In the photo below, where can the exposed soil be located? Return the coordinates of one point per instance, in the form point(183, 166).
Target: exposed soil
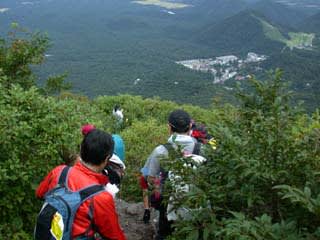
point(130, 217)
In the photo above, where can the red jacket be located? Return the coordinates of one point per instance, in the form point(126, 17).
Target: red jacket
point(105, 216)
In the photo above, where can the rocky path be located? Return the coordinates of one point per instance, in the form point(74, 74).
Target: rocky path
point(130, 215)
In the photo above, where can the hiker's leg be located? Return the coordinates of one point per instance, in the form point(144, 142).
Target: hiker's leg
point(145, 195)
point(145, 199)
point(164, 224)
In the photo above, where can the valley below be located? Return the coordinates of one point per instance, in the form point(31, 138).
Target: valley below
point(158, 48)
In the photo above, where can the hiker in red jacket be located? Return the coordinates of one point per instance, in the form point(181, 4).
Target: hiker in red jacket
point(96, 150)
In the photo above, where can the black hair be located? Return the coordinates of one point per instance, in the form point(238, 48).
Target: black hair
point(96, 146)
point(116, 108)
point(179, 121)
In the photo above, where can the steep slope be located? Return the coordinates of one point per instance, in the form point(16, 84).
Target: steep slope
point(105, 46)
point(301, 69)
point(211, 10)
point(279, 13)
point(309, 7)
point(239, 34)
point(116, 47)
point(311, 24)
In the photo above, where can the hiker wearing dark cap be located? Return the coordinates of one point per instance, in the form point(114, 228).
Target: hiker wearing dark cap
point(115, 168)
point(179, 125)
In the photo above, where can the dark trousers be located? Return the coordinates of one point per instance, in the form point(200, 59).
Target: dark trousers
point(165, 228)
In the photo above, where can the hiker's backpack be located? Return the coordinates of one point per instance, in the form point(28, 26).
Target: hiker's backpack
point(119, 147)
point(180, 188)
point(164, 174)
point(56, 216)
point(201, 134)
point(170, 149)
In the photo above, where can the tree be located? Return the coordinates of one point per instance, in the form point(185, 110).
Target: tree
point(266, 144)
point(18, 53)
point(55, 84)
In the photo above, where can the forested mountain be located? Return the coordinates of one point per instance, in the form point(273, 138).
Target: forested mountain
point(261, 177)
point(239, 34)
point(113, 47)
point(279, 13)
point(311, 24)
point(202, 11)
point(277, 167)
point(301, 71)
point(309, 7)
point(105, 46)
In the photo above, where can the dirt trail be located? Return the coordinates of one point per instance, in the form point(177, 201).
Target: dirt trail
point(130, 217)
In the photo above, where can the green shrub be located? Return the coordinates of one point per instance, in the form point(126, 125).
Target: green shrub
point(34, 133)
point(268, 143)
point(140, 139)
point(262, 182)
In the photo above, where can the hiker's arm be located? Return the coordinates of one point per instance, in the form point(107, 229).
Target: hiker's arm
point(145, 193)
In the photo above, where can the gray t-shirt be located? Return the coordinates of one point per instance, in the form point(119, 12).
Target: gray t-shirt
point(153, 163)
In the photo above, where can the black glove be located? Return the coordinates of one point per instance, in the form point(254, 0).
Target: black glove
point(146, 216)
point(114, 178)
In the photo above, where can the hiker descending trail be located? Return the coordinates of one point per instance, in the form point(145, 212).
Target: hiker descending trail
point(154, 172)
point(81, 188)
point(103, 158)
point(118, 115)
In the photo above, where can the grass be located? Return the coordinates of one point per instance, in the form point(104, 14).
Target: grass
point(272, 32)
point(300, 40)
point(297, 40)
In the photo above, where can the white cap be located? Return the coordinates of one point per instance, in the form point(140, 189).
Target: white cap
point(115, 159)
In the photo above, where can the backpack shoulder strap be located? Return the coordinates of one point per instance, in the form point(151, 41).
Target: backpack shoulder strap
point(90, 191)
point(63, 176)
point(171, 150)
point(196, 149)
point(84, 195)
point(168, 146)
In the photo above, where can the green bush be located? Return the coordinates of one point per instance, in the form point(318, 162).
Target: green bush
point(268, 143)
point(140, 139)
point(34, 131)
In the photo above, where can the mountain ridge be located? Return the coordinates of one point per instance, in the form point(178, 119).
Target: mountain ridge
point(240, 33)
point(279, 13)
point(311, 24)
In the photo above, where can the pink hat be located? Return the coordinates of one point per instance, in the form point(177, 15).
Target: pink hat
point(85, 129)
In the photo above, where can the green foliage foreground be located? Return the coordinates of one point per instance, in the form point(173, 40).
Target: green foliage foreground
point(37, 132)
point(262, 182)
